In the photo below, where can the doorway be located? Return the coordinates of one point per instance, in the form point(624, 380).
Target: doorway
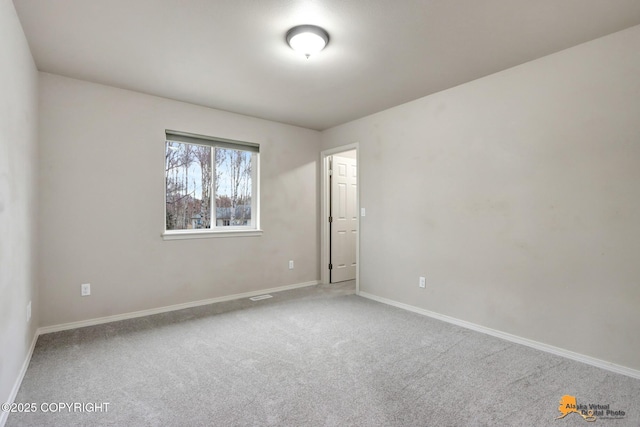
point(340, 215)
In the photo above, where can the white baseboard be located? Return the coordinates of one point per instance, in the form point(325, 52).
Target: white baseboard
point(149, 312)
point(633, 373)
point(16, 386)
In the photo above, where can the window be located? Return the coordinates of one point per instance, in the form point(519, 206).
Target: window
point(211, 186)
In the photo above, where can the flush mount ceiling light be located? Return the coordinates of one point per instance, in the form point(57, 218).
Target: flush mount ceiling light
point(307, 39)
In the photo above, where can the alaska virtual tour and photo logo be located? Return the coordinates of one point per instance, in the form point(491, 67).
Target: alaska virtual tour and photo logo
point(590, 412)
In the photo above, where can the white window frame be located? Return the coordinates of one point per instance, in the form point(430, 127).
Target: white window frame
point(215, 230)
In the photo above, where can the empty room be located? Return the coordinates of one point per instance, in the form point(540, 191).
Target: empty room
point(319, 213)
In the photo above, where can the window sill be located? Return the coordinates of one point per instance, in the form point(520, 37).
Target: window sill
point(189, 234)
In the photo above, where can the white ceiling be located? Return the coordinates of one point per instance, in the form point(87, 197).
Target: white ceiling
point(231, 54)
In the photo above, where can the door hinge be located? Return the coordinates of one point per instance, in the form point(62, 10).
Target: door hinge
point(330, 266)
point(330, 172)
point(330, 219)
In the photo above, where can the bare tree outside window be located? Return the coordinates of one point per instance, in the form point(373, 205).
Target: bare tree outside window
point(187, 184)
point(208, 187)
point(233, 187)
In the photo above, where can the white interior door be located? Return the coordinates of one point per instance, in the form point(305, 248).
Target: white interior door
point(344, 219)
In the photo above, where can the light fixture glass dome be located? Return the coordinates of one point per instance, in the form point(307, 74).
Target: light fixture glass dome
point(307, 39)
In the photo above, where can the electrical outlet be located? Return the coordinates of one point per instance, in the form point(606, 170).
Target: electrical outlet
point(85, 289)
point(290, 264)
point(423, 282)
point(28, 311)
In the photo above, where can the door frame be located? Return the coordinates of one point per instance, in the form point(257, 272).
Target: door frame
point(324, 210)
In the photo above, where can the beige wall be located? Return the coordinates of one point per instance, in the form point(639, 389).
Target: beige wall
point(18, 208)
point(102, 195)
point(517, 196)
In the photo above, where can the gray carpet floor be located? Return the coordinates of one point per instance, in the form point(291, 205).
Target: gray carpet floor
point(317, 356)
